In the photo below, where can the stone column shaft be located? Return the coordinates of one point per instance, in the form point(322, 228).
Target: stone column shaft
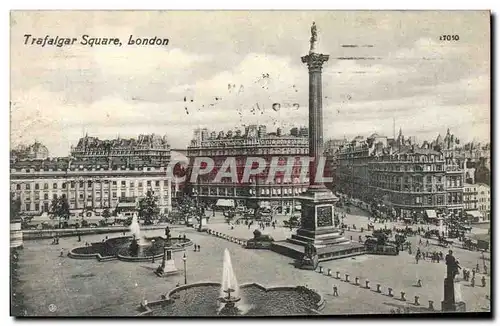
point(314, 63)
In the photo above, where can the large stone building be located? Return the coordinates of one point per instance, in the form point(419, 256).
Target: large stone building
point(100, 174)
point(484, 200)
point(88, 184)
point(153, 149)
point(407, 179)
point(35, 151)
point(255, 141)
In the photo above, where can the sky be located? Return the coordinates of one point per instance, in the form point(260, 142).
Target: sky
point(223, 70)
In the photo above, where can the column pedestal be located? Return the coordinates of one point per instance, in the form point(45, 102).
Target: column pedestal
point(317, 227)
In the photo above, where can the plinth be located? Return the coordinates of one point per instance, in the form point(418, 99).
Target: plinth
point(167, 265)
point(317, 227)
point(449, 304)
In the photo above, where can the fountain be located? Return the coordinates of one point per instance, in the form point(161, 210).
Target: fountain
point(228, 298)
point(136, 248)
point(229, 285)
point(138, 242)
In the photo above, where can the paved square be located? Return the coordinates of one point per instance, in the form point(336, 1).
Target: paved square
point(73, 287)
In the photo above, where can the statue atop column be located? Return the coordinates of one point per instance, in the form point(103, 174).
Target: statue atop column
point(314, 38)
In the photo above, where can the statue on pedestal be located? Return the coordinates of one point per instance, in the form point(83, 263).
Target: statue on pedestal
point(314, 38)
point(452, 266)
point(310, 258)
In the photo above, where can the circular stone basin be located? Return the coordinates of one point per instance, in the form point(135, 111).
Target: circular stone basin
point(119, 247)
point(256, 300)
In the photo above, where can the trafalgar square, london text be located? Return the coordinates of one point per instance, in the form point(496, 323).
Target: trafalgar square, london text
point(87, 40)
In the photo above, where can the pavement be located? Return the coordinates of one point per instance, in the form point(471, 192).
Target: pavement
point(61, 286)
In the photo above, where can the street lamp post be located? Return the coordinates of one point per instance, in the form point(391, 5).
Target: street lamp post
point(164, 258)
point(153, 248)
point(184, 258)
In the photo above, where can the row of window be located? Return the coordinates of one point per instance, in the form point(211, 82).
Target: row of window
point(81, 196)
point(82, 168)
point(407, 167)
point(81, 184)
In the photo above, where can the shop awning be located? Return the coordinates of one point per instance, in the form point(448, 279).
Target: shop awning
point(126, 205)
point(431, 213)
point(225, 203)
point(475, 214)
point(265, 204)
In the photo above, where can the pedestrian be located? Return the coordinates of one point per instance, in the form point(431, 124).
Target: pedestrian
point(472, 281)
point(483, 281)
point(473, 273)
point(62, 252)
point(477, 267)
point(199, 248)
point(335, 291)
point(427, 243)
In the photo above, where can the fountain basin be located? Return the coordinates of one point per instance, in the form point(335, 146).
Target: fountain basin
point(117, 248)
point(201, 299)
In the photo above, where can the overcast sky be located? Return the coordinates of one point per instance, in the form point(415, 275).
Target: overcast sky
point(424, 84)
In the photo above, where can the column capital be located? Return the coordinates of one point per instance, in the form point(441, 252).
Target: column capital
point(315, 61)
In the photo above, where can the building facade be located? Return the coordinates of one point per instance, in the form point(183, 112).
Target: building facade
point(407, 180)
point(35, 151)
point(484, 200)
point(153, 149)
point(255, 141)
point(470, 197)
point(88, 184)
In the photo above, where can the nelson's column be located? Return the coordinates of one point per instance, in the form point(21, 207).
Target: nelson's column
point(317, 228)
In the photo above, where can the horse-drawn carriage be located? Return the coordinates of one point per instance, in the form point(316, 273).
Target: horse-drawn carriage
point(443, 242)
point(432, 233)
point(470, 244)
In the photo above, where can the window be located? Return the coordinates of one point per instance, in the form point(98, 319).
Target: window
point(157, 183)
point(37, 186)
point(140, 184)
point(114, 183)
point(37, 207)
point(28, 186)
point(89, 184)
point(45, 186)
point(54, 196)
point(45, 196)
point(81, 184)
point(123, 194)
point(28, 207)
point(64, 185)
point(148, 183)
point(132, 184)
point(18, 186)
point(114, 194)
point(45, 207)
point(54, 186)
point(80, 196)
point(123, 183)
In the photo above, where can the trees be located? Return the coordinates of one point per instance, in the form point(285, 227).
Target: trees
point(190, 208)
point(106, 214)
point(148, 207)
point(15, 206)
point(59, 207)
